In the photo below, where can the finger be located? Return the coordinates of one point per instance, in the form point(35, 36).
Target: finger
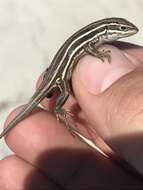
point(18, 174)
point(129, 51)
point(116, 113)
point(134, 51)
point(44, 142)
point(79, 121)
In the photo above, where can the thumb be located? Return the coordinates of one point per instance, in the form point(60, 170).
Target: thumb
point(110, 95)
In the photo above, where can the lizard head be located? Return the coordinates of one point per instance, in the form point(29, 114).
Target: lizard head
point(117, 28)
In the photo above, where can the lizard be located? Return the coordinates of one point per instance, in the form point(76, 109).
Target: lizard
point(87, 40)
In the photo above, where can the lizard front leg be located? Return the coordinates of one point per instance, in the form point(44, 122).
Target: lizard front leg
point(92, 49)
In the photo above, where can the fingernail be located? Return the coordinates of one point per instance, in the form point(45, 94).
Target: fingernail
point(97, 76)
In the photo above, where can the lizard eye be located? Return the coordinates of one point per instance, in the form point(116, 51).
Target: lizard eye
point(123, 28)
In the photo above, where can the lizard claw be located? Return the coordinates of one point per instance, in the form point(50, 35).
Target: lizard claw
point(66, 117)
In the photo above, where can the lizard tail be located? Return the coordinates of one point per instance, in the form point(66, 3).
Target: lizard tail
point(38, 96)
point(27, 109)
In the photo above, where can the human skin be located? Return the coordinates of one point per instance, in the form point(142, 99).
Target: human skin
point(108, 98)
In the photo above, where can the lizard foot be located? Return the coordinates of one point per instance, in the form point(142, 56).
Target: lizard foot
point(65, 116)
point(103, 54)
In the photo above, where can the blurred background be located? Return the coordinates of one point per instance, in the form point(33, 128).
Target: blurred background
point(32, 31)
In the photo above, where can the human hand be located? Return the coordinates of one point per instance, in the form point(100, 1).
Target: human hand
point(48, 157)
